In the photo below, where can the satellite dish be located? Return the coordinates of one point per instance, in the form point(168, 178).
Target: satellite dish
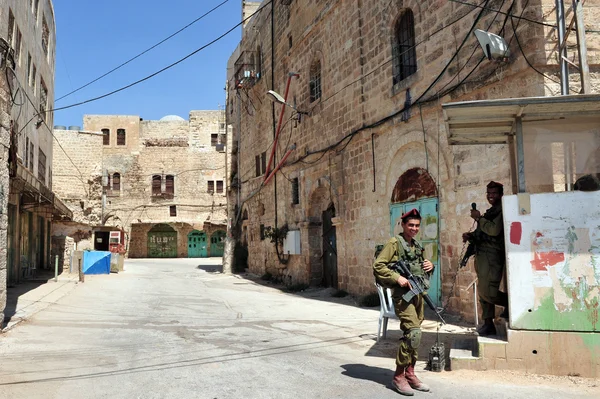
point(494, 46)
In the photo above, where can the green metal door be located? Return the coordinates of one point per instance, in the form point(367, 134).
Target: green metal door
point(197, 244)
point(162, 242)
point(217, 243)
point(428, 237)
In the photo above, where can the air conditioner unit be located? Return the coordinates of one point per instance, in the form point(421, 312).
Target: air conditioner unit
point(291, 243)
point(220, 147)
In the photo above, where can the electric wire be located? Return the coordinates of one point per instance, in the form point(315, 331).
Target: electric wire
point(142, 53)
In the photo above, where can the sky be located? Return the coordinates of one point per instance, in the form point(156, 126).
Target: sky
point(93, 37)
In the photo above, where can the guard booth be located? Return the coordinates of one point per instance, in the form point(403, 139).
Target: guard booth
point(551, 229)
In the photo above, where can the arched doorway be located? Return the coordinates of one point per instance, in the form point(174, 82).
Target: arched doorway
point(330, 272)
point(217, 243)
point(162, 241)
point(417, 189)
point(197, 244)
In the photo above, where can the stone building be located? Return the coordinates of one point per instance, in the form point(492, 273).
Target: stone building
point(370, 140)
point(147, 188)
point(27, 203)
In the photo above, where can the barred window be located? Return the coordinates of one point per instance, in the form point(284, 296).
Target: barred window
point(173, 210)
point(45, 36)
point(264, 162)
point(214, 139)
point(116, 183)
point(315, 81)
point(295, 191)
point(219, 186)
point(170, 185)
point(211, 186)
point(403, 50)
point(105, 136)
point(41, 166)
point(43, 99)
point(11, 27)
point(121, 136)
point(156, 183)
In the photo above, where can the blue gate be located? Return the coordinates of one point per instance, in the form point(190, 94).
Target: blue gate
point(428, 237)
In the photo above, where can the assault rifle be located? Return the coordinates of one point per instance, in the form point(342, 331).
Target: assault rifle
point(416, 287)
point(470, 248)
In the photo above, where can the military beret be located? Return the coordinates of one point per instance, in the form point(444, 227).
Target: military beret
point(494, 184)
point(413, 213)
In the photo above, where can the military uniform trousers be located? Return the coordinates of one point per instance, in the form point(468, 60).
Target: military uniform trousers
point(411, 315)
point(489, 264)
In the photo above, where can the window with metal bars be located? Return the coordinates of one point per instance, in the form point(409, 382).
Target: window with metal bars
point(214, 139)
point(173, 210)
point(404, 53)
point(219, 186)
point(257, 161)
point(315, 81)
point(45, 36)
point(41, 166)
point(27, 152)
point(263, 159)
point(170, 186)
point(156, 183)
point(11, 27)
point(116, 183)
point(295, 191)
point(43, 99)
point(105, 136)
point(121, 136)
point(31, 155)
point(211, 186)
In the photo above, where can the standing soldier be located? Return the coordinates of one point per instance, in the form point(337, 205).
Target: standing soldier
point(411, 313)
point(490, 257)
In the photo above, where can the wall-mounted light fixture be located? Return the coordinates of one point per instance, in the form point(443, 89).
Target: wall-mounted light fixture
point(494, 46)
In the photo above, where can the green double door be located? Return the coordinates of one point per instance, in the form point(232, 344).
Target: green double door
point(162, 242)
point(197, 246)
point(217, 243)
point(428, 237)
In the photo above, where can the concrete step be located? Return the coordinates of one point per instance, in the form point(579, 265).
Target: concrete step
point(471, 352)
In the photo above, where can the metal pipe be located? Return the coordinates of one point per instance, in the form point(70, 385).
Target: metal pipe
point(56, 268)
point(287, 154)
point(278, 130)
point(562, 48)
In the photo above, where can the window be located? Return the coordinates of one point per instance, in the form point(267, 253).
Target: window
point(170, 186)
point(173, 210)
point(105, 136)
point(211, 186)
point(27, 152)
point(121, 136)
point(36, 7)
point(214, 139)
point(18, 38)
point(404, 54)
point(45, 36)
point(11, 27)
point(261, 164)
point(43, 99)
point(156, 183)
point(258, 63)
point(257, 161)
point(221, 126)
point(34, 78)
point(41, 166)
point(263, 159)
point(116, 182)
point(222, 138)
point(29, 65)
point(315, 81)
point(219, 186)
point(295, 191)
point(31, 155)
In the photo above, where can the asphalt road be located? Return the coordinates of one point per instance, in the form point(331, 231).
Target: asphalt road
point(178, 329)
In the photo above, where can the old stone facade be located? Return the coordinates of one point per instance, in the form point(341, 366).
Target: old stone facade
point(370, 78)
point(27, 203)
point(162, 183)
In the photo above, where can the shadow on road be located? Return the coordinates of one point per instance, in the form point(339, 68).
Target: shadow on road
point(363, 372)
point(211, 268)
point(14, 293)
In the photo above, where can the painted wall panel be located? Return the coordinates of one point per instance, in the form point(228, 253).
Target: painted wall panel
point(553, 261)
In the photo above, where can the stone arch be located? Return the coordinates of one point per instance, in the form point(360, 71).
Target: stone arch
point(414, 184)
point(320, 199)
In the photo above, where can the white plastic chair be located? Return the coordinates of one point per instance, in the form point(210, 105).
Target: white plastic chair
point(386, 310)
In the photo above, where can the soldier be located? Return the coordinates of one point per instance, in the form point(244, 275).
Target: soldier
point(490, 258)
point(411, 314)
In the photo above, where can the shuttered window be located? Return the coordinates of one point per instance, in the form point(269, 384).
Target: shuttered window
point(156, 182)
point(170, 185)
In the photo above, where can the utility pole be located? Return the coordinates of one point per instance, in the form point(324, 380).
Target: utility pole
point(562, 48)
point(584, 68)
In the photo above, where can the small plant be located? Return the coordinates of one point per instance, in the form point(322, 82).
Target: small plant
point(298, 287)
point(276, 235)
point(370, 300)
point(267, 277)
point(339, 294)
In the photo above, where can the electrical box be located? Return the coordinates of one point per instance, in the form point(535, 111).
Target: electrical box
point(291, 243)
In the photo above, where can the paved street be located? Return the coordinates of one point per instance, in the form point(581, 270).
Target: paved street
point(179, 329)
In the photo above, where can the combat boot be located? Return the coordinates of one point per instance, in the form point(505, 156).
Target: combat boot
point(400, 383)
point(413, 381)
point(488, 328)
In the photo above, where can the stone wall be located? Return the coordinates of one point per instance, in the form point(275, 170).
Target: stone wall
point(356, 142)
point(170, 147)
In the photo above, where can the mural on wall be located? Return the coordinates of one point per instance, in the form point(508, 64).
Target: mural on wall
point(553, 261)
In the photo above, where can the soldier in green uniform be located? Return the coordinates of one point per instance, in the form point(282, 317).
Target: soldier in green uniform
point(411, 314)
point(490, 258)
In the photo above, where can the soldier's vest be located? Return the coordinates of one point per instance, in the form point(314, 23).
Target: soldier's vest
point(484, 242)
point(414, 257)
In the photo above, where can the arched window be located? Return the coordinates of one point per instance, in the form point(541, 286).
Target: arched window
point(156, 182)
point(315, 81)
point(105, 136)
point(116, 182)
point(403, 49)
point(121, 136)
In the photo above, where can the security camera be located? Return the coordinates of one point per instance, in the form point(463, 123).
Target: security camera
point(494, 46)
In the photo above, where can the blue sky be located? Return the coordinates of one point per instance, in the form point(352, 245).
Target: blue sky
point(94, 37)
